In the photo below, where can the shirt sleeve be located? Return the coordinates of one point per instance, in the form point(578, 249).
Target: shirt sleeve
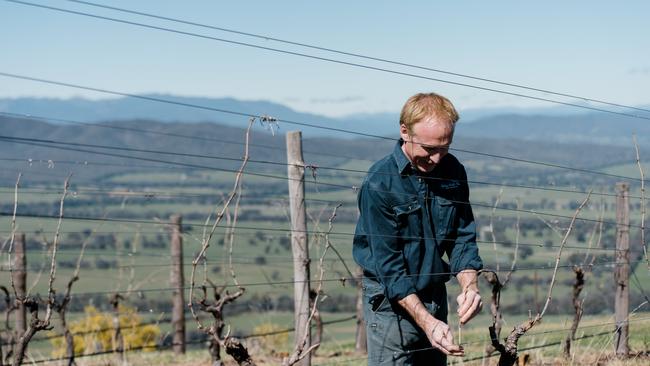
point(380, 227)
point(464, 253)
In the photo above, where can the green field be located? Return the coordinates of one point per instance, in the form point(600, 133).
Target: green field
point(133, 254)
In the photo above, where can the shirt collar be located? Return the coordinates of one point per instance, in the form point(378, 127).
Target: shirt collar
point(403, 163)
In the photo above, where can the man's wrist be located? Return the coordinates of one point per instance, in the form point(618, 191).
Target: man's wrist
point(414, 306)
point(468, 280)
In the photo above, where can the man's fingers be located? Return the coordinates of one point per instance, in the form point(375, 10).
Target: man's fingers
point(465, 302)
point(437, 342)
point(443, 339)
point(441, 348)
point(452, 349)
point(462, 303)
point(474, 308)
point(449, 348)
point(477, 305)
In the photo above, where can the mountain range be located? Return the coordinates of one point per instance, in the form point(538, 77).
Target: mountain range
point(560, 124)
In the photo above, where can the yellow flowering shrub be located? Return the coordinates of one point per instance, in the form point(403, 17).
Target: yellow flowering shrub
point(271, 342)
point(94, 332)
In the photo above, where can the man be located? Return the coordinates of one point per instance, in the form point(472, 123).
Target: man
point(414, 208)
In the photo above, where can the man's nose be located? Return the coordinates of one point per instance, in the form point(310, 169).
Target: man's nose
point(436, 157)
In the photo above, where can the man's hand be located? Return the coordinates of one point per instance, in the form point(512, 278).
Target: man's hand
point(469, 301)
point(469, 304)
point(437, 331)
point(441, 338)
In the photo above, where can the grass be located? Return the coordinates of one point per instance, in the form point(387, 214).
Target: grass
point(338, 343)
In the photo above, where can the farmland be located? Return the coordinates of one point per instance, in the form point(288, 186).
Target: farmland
point(121, 212)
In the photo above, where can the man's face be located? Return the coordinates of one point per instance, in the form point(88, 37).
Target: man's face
point(428, 142)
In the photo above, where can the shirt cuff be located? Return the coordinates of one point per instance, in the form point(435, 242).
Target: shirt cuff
point(475, 264)
point(399, 289)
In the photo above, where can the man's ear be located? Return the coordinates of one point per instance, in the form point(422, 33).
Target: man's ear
point(404, 132)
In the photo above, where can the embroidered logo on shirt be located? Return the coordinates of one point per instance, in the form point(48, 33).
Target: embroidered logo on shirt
point(450, 185)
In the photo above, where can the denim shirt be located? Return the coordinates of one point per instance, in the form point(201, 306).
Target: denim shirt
point(409, 220)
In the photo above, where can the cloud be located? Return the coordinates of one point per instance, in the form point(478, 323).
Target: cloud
point(341, 100)
point(639, 71)
point(293, 100)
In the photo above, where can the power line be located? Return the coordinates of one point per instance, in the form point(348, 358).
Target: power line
point(284, 164)
point(190, 105)
point(353, 188)
point(130, 349)
point(196, 166)
point(325, 154)
point(544, 345)
point(384, 60)
point(84, 163)
point(100, 330)
point(166, 346)
point(62, 251)
point(494, 354)
point(313, 232)
point(160, 152)
point(637, 283)
point(168, 320)
point(165, 265)
point(550, 165)
point(22, 141)
point(368, 67)
point(474, 358)
point(150, 194)
point(552, 331)
point(252, 261)
point(343, 280)
point(288, 330)
point(111, 253)
point(190, 137)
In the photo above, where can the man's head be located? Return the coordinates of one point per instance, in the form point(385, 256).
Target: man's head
point(427, 126)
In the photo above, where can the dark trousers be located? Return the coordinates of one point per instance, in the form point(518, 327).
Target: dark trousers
point(393, 337)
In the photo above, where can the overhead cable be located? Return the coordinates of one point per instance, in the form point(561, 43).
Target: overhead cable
point(369, 67)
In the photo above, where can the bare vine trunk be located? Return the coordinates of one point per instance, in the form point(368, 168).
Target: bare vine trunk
point(237, 351)
point(34, 326)
point(577, 305)
point(493, 280)
point(215, 352)
point(69, 340)
point(118, 339)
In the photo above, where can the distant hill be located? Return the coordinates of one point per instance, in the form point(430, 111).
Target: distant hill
point(558, 124)
point(210, 139)
point(129, 109)
point(587, 128)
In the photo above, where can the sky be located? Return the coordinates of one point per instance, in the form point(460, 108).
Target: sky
point(594, 49)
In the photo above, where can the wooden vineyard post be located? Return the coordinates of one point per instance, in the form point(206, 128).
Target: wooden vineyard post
point(361, 342)
point(622, 274)
point(296, 175)
point(177, 282)
point(20, 281)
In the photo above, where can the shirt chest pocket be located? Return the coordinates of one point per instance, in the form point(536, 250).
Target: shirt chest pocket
point(408, 217)
point(445, 216)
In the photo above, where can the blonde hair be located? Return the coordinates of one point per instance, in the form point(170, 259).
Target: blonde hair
point(424, 105)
